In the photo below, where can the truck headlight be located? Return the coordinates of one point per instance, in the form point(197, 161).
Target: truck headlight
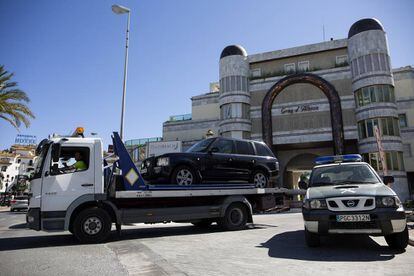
point(388, 201)
point(163, 161)
point(315, 204)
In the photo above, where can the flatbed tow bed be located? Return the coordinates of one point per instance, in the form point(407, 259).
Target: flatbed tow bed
point(119, 195)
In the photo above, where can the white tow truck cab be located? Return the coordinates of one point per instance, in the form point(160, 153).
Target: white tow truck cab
point(74, 189)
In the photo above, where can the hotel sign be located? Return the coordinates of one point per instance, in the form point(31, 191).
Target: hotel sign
point(25, 139)
point(299, 108)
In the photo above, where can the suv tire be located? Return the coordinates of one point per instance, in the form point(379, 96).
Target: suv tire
point(184, 176)
point(92, 225)
point(235, 217)
point(398, 240)
point(312, 239)
point(260, 179)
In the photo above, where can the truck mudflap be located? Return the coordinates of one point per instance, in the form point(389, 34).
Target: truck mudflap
point(33, 219)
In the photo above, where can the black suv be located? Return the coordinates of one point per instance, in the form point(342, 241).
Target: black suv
point(214, 159)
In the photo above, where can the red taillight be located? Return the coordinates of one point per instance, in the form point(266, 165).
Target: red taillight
point(13, 201)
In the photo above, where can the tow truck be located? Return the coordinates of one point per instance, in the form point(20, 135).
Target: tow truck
point(88, 202)
point(347, 196)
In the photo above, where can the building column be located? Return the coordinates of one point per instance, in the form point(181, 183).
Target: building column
point(373, 87)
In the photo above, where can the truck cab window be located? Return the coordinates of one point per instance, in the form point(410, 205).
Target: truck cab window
point(71, 160)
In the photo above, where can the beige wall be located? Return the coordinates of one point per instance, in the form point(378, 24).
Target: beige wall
point(303, 92)
point(206, 112)
point(317, 61)
point(404, 93)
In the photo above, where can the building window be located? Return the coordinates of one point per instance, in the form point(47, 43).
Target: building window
point(303, 66)
point(342, 60)
point(235, 110)
point(290, 68)
point(407, 150)
point(388, 126)
point(403, 120)
point(373, 94)
point(256, 73)
point(393, 159)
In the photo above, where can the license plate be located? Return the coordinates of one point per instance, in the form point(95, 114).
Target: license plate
point(144, 170)
point(352, 218)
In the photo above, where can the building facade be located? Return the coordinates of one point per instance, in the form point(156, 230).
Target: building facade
point(16, 164)
point(312, 100)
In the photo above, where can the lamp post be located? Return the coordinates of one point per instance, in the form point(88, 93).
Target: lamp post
point(121, 10)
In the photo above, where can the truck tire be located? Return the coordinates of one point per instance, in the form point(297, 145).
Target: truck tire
point(312, 239)
point(92, 225)
point(235, 217)
point(398, 240)
point(184, 176)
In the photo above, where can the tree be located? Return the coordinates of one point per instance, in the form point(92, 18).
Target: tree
point(13, 101)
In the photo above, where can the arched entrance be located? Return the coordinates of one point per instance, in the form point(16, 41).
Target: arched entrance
point(297, 166)
point(329, 91)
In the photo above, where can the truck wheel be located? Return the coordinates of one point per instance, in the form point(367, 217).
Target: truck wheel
point(260, 179)
point(202, 223)
point(235, 217)
point(398, 240)
point(312, 239)
point(184, 176)
point(92, 225)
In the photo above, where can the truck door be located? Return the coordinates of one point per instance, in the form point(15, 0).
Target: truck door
point(69, 178)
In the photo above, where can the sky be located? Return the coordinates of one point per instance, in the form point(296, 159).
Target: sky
point(68, 56)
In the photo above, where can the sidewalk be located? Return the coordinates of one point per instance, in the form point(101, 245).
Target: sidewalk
point(4, 209)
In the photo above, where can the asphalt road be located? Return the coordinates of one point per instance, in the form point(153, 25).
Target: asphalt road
point(275, 246)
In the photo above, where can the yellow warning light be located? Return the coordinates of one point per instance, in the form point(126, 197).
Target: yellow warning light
point(79, 130)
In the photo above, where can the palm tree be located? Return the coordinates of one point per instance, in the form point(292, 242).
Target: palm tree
point(13, 101)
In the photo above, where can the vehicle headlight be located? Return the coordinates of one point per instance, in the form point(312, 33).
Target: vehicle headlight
point(388, 201)
point(315, 204)
point(163, 161)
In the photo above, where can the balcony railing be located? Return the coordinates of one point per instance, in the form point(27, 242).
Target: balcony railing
point(184, 117)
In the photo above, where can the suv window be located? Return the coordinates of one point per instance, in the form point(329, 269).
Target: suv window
point(223, 146)
point(245, 148)
point(263, 150)
point(342, 174)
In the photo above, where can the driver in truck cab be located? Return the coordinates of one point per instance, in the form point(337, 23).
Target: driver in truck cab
point(79, 165)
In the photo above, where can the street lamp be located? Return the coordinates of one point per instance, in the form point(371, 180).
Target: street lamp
point(121, 10)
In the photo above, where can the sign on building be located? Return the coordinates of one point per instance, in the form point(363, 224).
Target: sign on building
point(22, 139)
point(159, 148)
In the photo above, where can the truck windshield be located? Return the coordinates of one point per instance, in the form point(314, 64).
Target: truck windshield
point(341, 174)
point(40, 160)
point(201, 146)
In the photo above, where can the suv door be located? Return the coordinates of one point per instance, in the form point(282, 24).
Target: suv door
point(244, 159)
point(219, 160)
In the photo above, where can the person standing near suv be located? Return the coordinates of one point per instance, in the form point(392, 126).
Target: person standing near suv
point(213, 160)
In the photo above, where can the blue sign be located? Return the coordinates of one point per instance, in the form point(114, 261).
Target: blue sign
point(25, 139)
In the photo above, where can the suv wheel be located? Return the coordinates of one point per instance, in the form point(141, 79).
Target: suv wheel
point(184, 176)
point(260, 179)
point(398, 240)
point(312, 239)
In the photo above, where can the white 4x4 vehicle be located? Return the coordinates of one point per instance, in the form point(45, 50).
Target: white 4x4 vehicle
point(347, 196)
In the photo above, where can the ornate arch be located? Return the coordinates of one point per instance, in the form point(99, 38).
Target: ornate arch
point(327, 88)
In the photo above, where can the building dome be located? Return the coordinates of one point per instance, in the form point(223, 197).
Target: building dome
point(366, 24)
point(233, 50)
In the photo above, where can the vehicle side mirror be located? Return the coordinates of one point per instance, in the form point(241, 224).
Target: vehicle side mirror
point(303, 185)
point(55, 169)
point(55, 152)
point(213, 150)
point(388, 179)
